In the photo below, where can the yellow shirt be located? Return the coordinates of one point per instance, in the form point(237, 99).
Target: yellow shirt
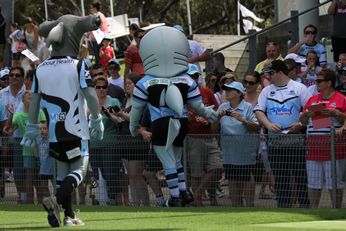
point(260, 65)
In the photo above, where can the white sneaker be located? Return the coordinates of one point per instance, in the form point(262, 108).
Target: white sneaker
point(68, 221)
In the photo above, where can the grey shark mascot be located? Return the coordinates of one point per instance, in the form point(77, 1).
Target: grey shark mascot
point(61, 86)
point(167, 91)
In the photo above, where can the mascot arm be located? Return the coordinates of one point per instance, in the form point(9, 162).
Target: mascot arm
point(206, 112)
point(95, 123)
point(135, 116)
point(31, 137)
point(45, 27)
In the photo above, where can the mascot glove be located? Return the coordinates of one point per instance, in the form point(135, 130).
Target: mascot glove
point(210, 114)
point(31, 136)
point(96, 127)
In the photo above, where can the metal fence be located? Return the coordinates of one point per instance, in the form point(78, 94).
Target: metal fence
point(239, 171)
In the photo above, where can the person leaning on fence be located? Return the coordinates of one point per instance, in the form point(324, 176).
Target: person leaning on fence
point(278, 109)
point(239, 144)
point(3, 118)
point(318, 158)
point(203, 152)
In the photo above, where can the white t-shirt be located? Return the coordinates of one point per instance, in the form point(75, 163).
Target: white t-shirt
point(118, 81)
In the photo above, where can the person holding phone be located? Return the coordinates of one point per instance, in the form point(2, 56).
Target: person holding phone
point(105, 158)
point(239, 142)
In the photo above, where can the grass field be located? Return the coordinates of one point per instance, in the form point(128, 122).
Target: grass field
point(32, 217)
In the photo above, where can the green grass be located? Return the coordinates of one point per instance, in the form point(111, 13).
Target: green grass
point(30, 217)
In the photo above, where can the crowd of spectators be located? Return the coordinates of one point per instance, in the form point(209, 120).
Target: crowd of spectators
point(269, 126)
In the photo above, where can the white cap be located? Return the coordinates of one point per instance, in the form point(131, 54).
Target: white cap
point(296, 58)
point(4, 72)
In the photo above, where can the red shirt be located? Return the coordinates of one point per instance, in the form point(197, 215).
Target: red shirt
point(318, 140)
point(108, 54)
point(197, 124)
point(134, 60)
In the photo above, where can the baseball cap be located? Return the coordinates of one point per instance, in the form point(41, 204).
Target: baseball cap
point(4, 72)
point(107, 37)
point(295, 57)
point(234, 85)
point(276, 65)
point(114, 61)
point(179, 28)
point(193, 69)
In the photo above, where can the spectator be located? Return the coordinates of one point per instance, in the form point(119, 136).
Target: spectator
point(29, 78)
point(12, 98)
point(132, 30)
point(226, 79)
point(219, 67)
point(309, 43)
point(133, 149)
point(210, 81)
point(340, 64)
point(293, 68)
point(272, 53)
point(2, 38)
point(46, 164)
point(318, 162)
point(300, 61)
point(95, 10)
point(342, 86)
point(31, 36)
point(113, 73)
point(197, 53)
point(106, 51)
point(114, 91)
point(337, 10)
point(278, 108)
point(251, 81)
point(238, 144)
point(4, 78)
point(3, 159)
point(14, 38)
point(30, 155)
point(105, 158)
point(133, 62)
point(204, 156)
point(309, 72)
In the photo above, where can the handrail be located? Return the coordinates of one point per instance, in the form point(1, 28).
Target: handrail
point(270, 27)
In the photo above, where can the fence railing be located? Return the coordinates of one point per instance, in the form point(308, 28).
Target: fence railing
point(238, 171)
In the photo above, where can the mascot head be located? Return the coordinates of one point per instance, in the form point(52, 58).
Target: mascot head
point(65, 33)
point(164, 52)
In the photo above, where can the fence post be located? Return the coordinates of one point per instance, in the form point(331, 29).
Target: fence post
point(252, 51)
point(184, 159)
point(294, 28)
point(208, 63)
point(333, 167)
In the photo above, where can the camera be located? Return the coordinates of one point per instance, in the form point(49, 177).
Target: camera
point(228, 112)
point(114, 109)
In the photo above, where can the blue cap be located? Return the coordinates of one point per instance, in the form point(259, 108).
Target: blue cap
point(179, 28)
point(193, 69)
point(234, 85)
point(107, 37)
point(114, 61)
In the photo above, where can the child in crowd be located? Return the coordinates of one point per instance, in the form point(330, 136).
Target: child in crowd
point(309, 72)
point(46, 164)
point(106, 51)
point(30, 156)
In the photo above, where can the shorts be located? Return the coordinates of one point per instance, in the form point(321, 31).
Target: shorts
point(238, 172)
point(31, 162)
point(320, 173)
point(203, 155)
point(159, 129)
point(18, 163)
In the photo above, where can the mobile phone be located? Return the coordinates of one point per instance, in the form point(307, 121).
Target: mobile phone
point(114, 109)
point(228, 112)
point(105, 112)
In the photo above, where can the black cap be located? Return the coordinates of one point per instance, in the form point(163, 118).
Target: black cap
point(276, 65)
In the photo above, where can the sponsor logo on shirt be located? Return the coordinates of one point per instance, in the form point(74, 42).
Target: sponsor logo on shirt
point(280, 111)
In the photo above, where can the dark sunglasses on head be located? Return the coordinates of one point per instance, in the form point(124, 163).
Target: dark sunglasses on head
point(321, 80)
point(101, 87)
point(251, 83)
point(15, 75)
point(310, 32)
point(96, 74)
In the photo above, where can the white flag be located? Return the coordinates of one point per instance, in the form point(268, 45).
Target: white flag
point(248, 25)
point(245, 12)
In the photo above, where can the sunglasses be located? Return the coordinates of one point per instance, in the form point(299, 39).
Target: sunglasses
point(96, 74)
point(310, 32)
point(101, 87)
point(321, 80)
point(251, 83)
point(16, 75)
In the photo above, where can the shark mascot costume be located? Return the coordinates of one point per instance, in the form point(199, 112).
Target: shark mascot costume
point(63, 83)
point(167, 90)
